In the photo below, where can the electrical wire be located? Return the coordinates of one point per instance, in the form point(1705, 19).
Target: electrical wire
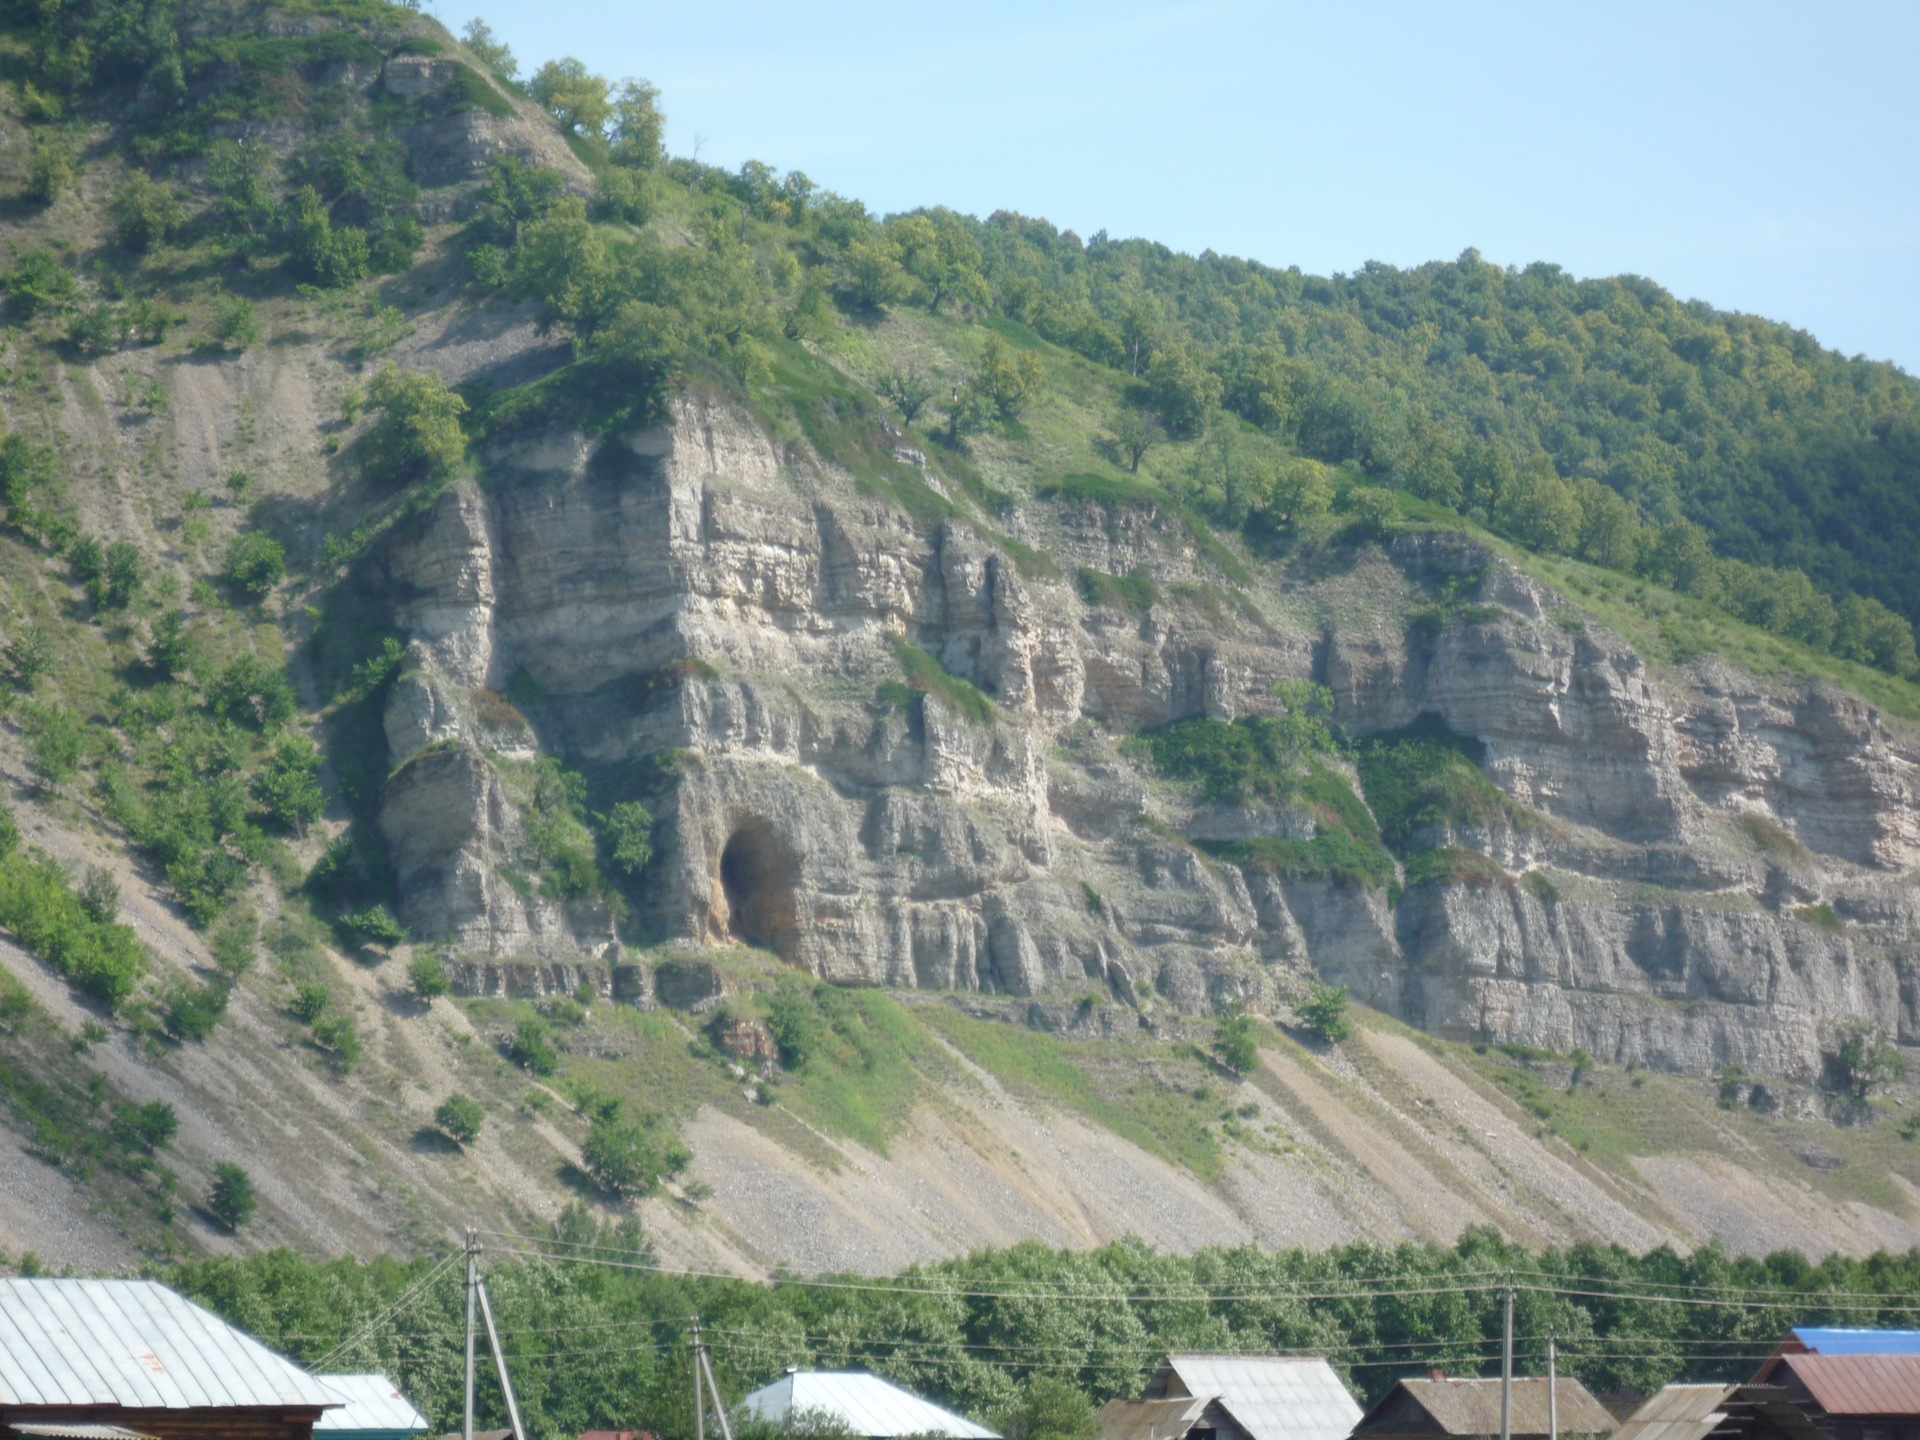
point(406, 1297)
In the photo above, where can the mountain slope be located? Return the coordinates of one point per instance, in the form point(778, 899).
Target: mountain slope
point(452, 546)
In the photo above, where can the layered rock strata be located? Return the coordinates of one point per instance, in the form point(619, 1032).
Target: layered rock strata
point(1719, 875)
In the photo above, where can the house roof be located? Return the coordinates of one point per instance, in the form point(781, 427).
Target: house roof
point(1151, 1419)
point(372, 1402)
point(136, 1344)
point(1817, 1341)
point(868, 1405)
point(1855, 1384)
point(1678, 1412)
point(1472, 1407)
point(1273, 1397)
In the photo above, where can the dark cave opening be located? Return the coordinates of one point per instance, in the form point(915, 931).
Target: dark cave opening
point(757, 875)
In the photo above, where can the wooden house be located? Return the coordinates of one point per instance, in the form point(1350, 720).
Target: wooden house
point(1235, 1397)
point(1442, 1408)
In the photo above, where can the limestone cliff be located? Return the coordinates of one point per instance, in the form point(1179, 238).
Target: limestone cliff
point(1717, 871)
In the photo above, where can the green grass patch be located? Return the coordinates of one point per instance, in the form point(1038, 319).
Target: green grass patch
point(1134, 592)
point(1101, 1081)
point(1453, 866)
point(1426, 775)
point(927, 676)
point(855, 1061)
point(1116, 492)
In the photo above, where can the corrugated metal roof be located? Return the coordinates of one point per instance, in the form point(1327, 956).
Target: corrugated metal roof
point(1472, 1407)
point(1678, 1412)
point(1858, 1342)
point(372, 1402)
point(1151, 1419)
point(867, 1404)
point(53, 1430)
point(1857, 1384)
point(1273, 1397)
point(137, 1344)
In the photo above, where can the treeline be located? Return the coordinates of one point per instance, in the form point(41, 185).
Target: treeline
point(596, 1345)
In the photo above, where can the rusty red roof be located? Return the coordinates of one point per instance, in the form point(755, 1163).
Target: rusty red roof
point(1857, 1384)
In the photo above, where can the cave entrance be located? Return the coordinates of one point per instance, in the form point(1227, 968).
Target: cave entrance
point(757, 875)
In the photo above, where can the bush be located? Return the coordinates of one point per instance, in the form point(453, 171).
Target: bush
point(100, 895)
point(28, 655)
point(1049, 1408)
point(252, 692)
point(51, 173)
point(1236, 1042)
point(232, 1201)
point(146, 1128)
point(233, 943)
point(145, 212)
point(1324, 1012)
point(630, 1157)
point(39, 906)
point(427, 974)
point(256, 562)
point(340, 1038)
point(626, 833)
point(533, 1048)
point(311, 1000)
point(288, 786)
point(459, 1118)
point(193, 1011)
point(374, 925)
point(236, 322)
point(418, 435)
point(1867, 1061)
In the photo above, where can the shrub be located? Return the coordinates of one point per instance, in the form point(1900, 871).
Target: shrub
point(1430, 776)
point(374, 925)
point(51, 173)
point(1867, 1060)
point(1049, 1408)
point(256, 562)
point(232, 1201)
point(459, 1118)
point(288, 785)
point(146, 1128)
point(1732, 1077)
point(39, 906)
point(1324, 1012)
point(533, 1048)
point(630, 1157)
point(796, 1024)
point(252, 692)
point(340, 1038)
point(173, 647)
point(1135, 593)
point(418, 435)
point(1236, 1041)
point(236, 322)
point(928, 676)
point(145, 212)
point(40, 284)
point(233, 943)
point(311, 1000)
point(427, 974)
point(626, 833)
point(193, 1011)
point(100, 895)
point(28, 655)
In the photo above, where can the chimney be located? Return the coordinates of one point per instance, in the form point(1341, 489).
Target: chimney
point(1437, 1373)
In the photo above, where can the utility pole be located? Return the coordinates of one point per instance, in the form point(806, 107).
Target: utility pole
point(705, 1386)
point(1506, 1367)
point(500, 1362)
point(473, 1285)
point(699, 1398)
point(1553, 1389)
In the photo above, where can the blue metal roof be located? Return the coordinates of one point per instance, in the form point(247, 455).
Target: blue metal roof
point(1859, 1342)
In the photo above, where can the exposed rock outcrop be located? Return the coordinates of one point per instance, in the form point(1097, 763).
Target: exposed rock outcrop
point(720, 616)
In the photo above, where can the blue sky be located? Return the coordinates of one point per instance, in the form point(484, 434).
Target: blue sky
point(1763, 157)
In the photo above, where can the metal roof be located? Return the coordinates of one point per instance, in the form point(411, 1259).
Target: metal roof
point(372, 1402)
point(1472, 1407)
point(868, 1405)
point(1151, 1419)
point(1856, 1384)
point(1273, 1397)
point(1678, 1412)
point(1858, 1342)
point(137, 1344)
point(55, 1430)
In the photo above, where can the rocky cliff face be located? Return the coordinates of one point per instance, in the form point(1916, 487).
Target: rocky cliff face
point(1719, 872)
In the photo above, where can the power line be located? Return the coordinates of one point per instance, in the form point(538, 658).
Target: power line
point(405, 1297)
